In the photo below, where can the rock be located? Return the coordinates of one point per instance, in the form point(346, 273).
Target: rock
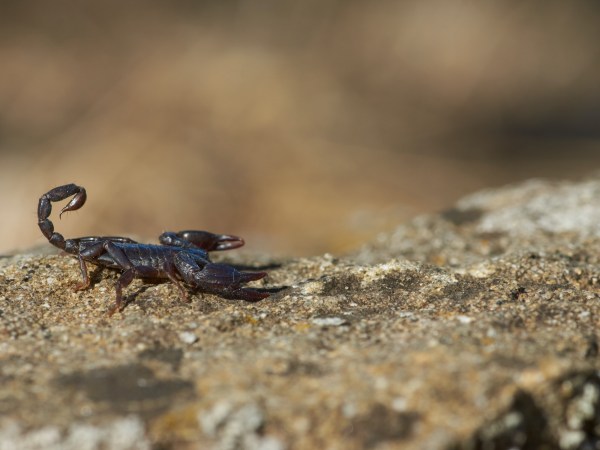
point(188, 337)
point(473, 328)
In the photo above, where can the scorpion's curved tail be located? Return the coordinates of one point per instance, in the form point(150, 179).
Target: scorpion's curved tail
point(45, 208)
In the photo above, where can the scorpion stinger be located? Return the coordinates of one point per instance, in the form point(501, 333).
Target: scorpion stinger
point(45, 208)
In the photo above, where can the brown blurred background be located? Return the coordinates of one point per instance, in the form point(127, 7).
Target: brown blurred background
point(304, 126)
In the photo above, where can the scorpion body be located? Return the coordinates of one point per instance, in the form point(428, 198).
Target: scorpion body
point(182, 256)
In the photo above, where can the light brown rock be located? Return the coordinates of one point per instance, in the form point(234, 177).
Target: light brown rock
point(475, 328)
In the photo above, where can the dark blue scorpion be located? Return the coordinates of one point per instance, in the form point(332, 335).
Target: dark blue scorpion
point(182, 257)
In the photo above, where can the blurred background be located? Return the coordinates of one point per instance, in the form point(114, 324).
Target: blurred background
point(303, 126)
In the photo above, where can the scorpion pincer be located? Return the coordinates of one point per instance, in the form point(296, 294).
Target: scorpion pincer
point(182, 256)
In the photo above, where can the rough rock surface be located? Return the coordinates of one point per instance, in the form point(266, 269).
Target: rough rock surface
point(473, 329)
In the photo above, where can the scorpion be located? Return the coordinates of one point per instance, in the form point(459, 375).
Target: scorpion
point(181, 258)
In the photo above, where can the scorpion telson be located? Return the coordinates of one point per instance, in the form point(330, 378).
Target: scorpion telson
point(182, 256)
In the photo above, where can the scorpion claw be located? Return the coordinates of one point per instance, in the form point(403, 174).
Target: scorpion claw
point(201, 239)
point(210, 241)
point(228, 242)
point(245, 277)
point(227, 282)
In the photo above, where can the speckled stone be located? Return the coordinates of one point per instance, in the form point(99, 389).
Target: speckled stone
point(474, 328)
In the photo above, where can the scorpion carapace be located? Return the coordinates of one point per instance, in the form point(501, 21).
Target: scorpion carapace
point(182, 256)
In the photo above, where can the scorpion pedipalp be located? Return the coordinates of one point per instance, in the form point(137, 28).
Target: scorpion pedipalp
point(228, 282)
point(201, 239)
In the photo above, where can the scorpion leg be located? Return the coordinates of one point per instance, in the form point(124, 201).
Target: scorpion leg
point(130, 272)
point(125, 280)
point(171, 272)
point(84, 274)
point(201, 239)
point(90, 252)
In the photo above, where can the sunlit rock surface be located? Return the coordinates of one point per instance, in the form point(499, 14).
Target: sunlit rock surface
point(474, 328)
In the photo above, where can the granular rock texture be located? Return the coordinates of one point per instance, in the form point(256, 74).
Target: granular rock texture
point(473, 329)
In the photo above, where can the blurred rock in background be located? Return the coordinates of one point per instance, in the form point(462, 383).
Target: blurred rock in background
point(303, 126)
